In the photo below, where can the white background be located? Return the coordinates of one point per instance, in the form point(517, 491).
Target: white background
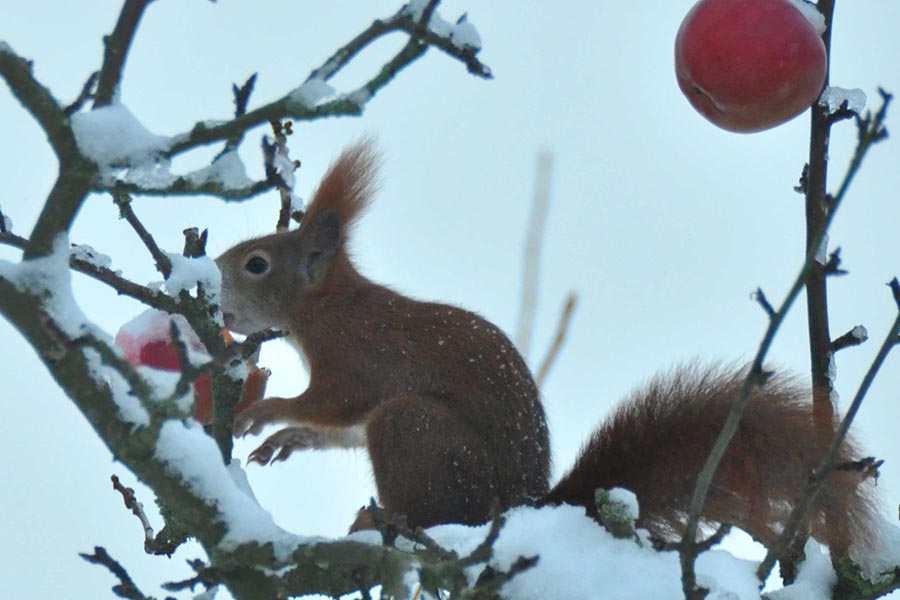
point(661, 222)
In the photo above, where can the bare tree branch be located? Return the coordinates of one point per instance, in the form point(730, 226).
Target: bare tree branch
point(87, 92)
point(38, 101)
point(116, 52)
point(163, 263)
point(562, 329)
point(126, 587)
point(532, 261)
point(871, 131)
point(826, 466)
point(817, 211)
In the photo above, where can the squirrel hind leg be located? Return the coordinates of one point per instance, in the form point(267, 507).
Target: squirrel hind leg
point(429, 465)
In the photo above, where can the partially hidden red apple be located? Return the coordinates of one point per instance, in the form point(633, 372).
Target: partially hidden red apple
point(749, 65)
point(146, 340)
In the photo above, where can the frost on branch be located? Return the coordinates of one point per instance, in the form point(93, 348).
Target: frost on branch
point(834, 98)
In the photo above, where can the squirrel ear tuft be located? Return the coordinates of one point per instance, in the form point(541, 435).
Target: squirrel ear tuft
point(324, 239)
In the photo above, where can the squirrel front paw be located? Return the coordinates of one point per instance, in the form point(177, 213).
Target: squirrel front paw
point(285, 442)
point(265, 412)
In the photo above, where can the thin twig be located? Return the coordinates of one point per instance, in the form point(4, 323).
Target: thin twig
point(163, 263)
point(562, 329)
point(760, 297)
point(136, 508)
point(854, 337)
point(162, 544)
point(702, 546)
point(126, 587)
point(206, 576)
point(871, 129)
point(250, 346)
point(833, 266)
point(484, 550)
point(188, 372)
point(87, 92)
point(280, 170)
point(491, 580)
point(795, 521)
point(116, 51)
point(532, 260)
point(242, 95)
point(194, 242)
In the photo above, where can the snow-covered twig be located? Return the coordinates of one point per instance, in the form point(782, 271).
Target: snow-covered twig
point(280, 170)
point(189, 185)
point(854, 337)
point(295, 105)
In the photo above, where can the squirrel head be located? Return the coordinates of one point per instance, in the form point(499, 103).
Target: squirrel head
point(267, 281)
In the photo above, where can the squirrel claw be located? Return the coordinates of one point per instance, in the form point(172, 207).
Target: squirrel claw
point(262, 455)
point(286, 442)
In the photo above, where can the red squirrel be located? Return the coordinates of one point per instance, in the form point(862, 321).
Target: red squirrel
point(452, 419)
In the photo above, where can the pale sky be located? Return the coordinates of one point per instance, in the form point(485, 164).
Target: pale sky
point(662, 223)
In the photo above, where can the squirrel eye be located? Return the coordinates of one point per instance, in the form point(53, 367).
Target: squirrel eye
point(257, 265)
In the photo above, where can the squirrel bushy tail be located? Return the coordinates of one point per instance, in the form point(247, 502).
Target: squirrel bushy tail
point(657, 441)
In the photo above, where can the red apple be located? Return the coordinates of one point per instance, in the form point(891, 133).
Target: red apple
point(145, 340)
point(749, 65)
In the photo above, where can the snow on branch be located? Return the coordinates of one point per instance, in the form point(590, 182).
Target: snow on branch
point(315, 99)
